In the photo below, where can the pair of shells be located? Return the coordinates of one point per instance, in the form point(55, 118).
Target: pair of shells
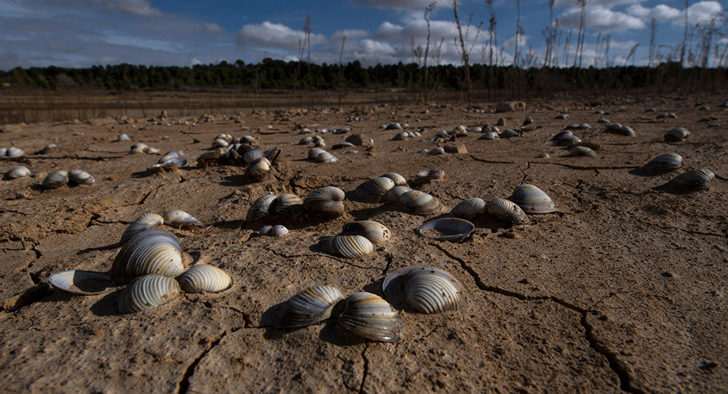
point(357, 239)
point(141, 147)
point(665, 162)
point(17, 172)
point(617, 128)
point(321, 156)
point(374, 189)
point(325, 202)
point(173, 217)
point(318, 141)
point(12, 152)
point(403, 135)
point(364, 314)
point(498, 208)
point(60, 178)
point(287, 204)
point(277, 230)
point(692, 180)
point(677, 134)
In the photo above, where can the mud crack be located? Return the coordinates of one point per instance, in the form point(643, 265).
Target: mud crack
point(491, 161)
point(366, 368)
point(616, 365)
point(184, 384)
point(586, 168)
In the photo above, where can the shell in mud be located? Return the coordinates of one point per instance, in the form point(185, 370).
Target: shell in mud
point(446, 229)
point(204, 278)
point(489, 136)
point(310, 306)
point(507, 211)
point(371, 317)
point(325, 157)
point(393, 194)
point(419, 203)
point(144, 222)
point(14, 152)
point(692, 180)
point(429, 175)
point(286, 204)
point(677, 134)
point(326, 202)
point(665, 162)
point(468, 209)
point(81, 177)
point(259, 169)
point(398, 179)
point(148, 252)
point(424, 289)
point(209, 158)
point(252, 155)
point(581, 151)
point(278, 230)
point(148, 292)
point(375, 232)
point(401, 136)
point(437, 151)
point(171, 164)
point(17, 172)
point(305, 140)
point(373, 189)
point(260, 207)
point(55, 179)
point(179, 218)
point(349, 246)
point(532, 199)
point(169, 155)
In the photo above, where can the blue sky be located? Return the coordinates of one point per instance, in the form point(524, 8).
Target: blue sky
point(81, 33)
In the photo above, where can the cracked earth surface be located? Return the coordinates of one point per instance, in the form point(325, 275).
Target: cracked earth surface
point(624, 289)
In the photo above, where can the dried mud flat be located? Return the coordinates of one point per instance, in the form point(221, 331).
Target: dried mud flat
point(624, 288)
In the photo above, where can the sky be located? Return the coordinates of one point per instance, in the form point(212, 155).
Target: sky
point(82, 33)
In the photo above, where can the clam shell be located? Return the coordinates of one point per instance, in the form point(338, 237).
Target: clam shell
point(398, 179)
point(219, 143)
point(209, 158)
point(204, 278)
point(81, 282)
point(138, 148)
point(305, 140)
point(81, 177)
point(693, 180)
point(349, 246)
point(677, 134)
point(424, 289)
point(144, 222)
point(375, 232)
point(122, 138)
point(430, 174)
point(393, 195)
point(326, 201)
point(325, 157)
point(419, 203)
point(168, 156)
point(252, 155)
point(55, 179)
point(148, 252)
point(373, 189)
point(272, 155)
point(148, 292)
point(258, 169)
point(17, 172)
point(437, 151)
point(170, 164)
point(14, 152)
point(508, 133)
point(401, 136)
point(665, 162)
point(311, 306)
point(468, 209)
point(247, 139)
point(489, 136)
point(507, 211)
point(371, 317)
point(278, 230)
point(286, 204)
point(581, 151)
point(532, 199)
point(561, 135)
point(446, 229)
point(179, 218)
point(569, 141)
point(260, 207)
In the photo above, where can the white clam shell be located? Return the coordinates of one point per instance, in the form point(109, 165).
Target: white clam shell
point(55, 179)
point(424, 289)
point(260, 207)
point(375, 232)
point(371, 317)
point(144, 222)
point(148, 292)
point(17, 172)
point(81, 282)
point(81, 177)
point(122, 138)
point(469, 209)
point(349, 246)
point(259, 169)
point(138, 148)
point(311, 306)
point(581, 151)
point(179, 218)
point(278, 230)
point(204, 278)
point(14, 152)
point(507, 211)
point(446, 229)
point(219, 143)
point(148, 252)
point(532, 199)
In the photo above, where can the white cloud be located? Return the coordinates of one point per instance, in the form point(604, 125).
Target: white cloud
point(700, 13)
point(402, 4)
point(602, 3)
point(511, 42)
point(134, 7)
point(274, 35)
point(598, 17)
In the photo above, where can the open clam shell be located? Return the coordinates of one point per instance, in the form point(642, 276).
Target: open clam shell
point(260, 207)
point(424, 289)
point(375, 232)
point(310, 306)
point(179, 218)
point(371, 317)
point(446, 229)
point(349, 246)
point(17, 172)
point(419, 203)
point(148, 252)
point(326, 202)
point(532, 199)
point(55, 179)
point(81, 177)
point(204, 278)
point(507, 211)
point(148, 292)
point(144, 222)
point(81, 282)
point(170, 155)
point(692, 180)
point(373, 189)
point(665, 162)
point(468, 209)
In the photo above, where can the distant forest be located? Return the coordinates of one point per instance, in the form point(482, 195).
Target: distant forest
point(293, 75)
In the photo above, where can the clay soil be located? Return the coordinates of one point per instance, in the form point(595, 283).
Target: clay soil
point(625, 288)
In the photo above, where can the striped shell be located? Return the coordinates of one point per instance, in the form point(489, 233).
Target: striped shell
point(179, 218)
point(81, 177)
point(55, 179)
point(665, 162)
point(326, 201)
point(311, 306)
point(260, 207)
point(532, 199)
point(468, 209)
point(507, 211)
point(424, 289)
point(144, 222)
point(349, 246)
point(252, 155)
point(371, 317)
point(375, 232)
point(258, 169)
point(204, 278)
point(419, 203)
point(17, 172)
point(286, 204)
point(693, 180)
point(148, 252)
point(396, 178)
point(581, 151)
point(446, 229)
point(373, 189)
point(677, 134)
point(393, 194)
point(148, 292)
